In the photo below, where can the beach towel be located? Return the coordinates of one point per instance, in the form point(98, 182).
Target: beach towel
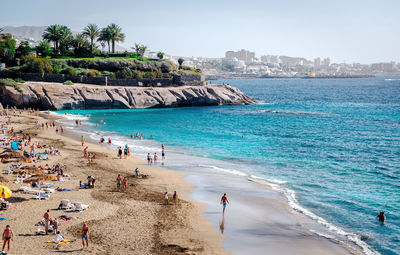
point(3, 218)
point(65, 241)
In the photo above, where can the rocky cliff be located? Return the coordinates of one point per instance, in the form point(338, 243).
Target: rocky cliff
point(83, 96)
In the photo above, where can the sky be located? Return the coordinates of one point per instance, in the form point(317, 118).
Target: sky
point(362, 31)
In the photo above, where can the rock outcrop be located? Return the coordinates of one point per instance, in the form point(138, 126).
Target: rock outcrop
point(54, 96)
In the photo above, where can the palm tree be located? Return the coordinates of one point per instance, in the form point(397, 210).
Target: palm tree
point(66, 39)
point(160, 55)
point(53, 34)
point(44, 48)
point(105, 37)
point(92, 31)
point(115, 35)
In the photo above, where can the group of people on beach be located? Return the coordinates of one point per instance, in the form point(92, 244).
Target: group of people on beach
point(153, 159)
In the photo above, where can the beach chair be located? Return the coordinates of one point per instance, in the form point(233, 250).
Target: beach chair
point(78, 206)
point(47, 190)
point(65, 204)
point(41, 196)
point(29, 190)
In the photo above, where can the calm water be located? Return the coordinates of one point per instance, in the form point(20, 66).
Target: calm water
point(336, 143)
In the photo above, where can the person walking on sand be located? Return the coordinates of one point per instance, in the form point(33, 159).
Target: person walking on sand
point(46, 217)
point(148, 158)
point(8, 235)
point(155, 157)
point(119, 179)
point(120, 152)
point(82, 140)
point(224, 201)
point(124, 183)
point(175, 197)
point(166, 198)
point(85, 236)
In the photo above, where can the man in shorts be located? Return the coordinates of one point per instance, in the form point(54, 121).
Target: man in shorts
point(46, 217)
point(85, 236)
point(224, 201)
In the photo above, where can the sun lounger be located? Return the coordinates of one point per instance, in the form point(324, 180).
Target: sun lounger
point(47, 190)
point(29, 190)
point(78, 206)
point(65, 204)
point(41, 196)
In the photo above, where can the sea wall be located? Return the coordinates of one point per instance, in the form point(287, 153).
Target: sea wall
point(43, 95)
point(176, 80)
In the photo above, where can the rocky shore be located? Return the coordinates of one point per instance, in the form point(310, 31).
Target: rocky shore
point(56, 96)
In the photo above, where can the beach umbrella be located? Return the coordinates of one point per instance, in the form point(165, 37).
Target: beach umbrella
point(5, 192)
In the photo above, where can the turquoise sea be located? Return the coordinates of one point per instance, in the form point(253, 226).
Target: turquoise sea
point(335, 144)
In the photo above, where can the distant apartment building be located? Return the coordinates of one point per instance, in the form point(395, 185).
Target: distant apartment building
point(243, 55)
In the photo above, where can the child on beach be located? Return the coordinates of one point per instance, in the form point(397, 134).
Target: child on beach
point(58, 237)
point(166, 198)
point(8, 235)
point(119, 182)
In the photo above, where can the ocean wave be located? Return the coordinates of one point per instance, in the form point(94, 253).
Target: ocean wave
point(71, 116)
point(231, 171)
point(392, 79)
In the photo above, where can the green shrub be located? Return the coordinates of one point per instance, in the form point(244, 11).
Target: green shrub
point(33, 64)
point(138, 74)
point(11, 83)
point(69, 70)
point(93, 73)
point(125, 73)
point(107, 73)
point(19, 80)
point(68, 82)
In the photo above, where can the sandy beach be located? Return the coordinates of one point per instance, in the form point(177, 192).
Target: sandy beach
point(138, 221)
point(132, 222)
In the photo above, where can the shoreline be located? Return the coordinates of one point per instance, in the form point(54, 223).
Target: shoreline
point(136, 220)
point(298, 224)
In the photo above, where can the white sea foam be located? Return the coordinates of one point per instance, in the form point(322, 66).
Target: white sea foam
point(230, 171)
point(294, 204)
point(71, 116)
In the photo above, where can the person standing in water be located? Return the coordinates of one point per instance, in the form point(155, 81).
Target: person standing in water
point(381, 217)
point(224, 201)
point(162, 151)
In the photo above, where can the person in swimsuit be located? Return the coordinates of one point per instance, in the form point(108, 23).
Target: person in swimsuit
point(119, 182)
point(126, 150)
point(109, 140)
point(124, 183)
point(102, 140)
point(85, 236)
point(381, 217)
point(148, 158)
point(120, 152)
point(137, 172)
point(82, 140)
point(224, 201)
point(8, 235)
point(155, 158)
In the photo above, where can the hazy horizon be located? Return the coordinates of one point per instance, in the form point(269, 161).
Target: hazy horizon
point(357, 31)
